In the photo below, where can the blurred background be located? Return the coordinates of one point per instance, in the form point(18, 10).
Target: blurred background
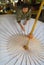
point(9, 7)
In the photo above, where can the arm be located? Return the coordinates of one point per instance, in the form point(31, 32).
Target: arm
point(21, 25)
point(18, 17)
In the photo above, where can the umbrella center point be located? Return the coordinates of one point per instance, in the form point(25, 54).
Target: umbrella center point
point(25, 47)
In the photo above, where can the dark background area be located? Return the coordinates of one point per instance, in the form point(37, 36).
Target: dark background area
point(7, 7)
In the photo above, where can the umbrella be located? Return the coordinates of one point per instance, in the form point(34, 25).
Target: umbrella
point(12, 40)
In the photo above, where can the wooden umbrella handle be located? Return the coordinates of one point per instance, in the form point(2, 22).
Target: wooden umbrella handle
point(34, 25)
point(39, 12)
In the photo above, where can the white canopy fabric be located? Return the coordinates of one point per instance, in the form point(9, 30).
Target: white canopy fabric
point(12, 39)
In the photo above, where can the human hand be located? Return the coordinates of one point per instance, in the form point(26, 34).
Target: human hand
point(25, 22)
point(22, 27)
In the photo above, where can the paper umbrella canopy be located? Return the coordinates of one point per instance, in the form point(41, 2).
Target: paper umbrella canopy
point(12, 40)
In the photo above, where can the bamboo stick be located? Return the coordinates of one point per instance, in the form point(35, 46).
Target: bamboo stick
point(39, 12)
point(34, 25)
